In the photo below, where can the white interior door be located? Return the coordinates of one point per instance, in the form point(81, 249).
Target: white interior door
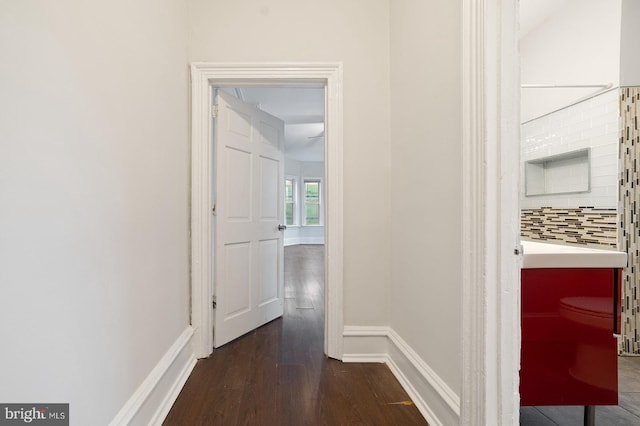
point(249, 197)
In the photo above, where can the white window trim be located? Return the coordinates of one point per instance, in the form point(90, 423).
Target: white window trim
point(296, 201)
point(303, 211)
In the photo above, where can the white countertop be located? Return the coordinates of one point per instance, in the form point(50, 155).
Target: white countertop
point(543, 255)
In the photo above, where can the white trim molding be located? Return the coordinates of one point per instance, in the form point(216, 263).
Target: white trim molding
point(151, 402)
point(382, 344)
point(365, 344)
point(203, 77)
point(303, 241)
point(490, 231)
point(303, 201)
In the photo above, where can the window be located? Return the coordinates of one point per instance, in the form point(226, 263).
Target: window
point(290, 201)
point(312, 209)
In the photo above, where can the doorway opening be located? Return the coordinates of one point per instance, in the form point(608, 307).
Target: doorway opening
point(323, 193)
point(580, 105)
point(302, 212)
point(302, 109)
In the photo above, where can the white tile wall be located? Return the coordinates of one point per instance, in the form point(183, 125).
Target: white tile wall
point(589, 124)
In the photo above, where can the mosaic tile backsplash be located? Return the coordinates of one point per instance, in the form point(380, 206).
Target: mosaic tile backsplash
point(629, 228)
point(583, 226)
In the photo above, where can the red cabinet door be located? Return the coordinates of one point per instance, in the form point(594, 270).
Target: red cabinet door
point(569, 355)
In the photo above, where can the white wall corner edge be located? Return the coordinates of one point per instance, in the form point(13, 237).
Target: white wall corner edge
point(151, 402)
point(382, 344)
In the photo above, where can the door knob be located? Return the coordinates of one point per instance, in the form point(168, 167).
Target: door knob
point(282, 227)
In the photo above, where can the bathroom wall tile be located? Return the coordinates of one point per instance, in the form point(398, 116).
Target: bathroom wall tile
point(597, 110)
point(603, 140)
point(584, 226)
point(588, 124)
point(629, 226)
point(574, 117)
point(602, 120)
point(577, 127)
point(598, 193)
point(594, 131)
point(572, 138)
point(601, 175)
point(613, 127)
point(605, 153)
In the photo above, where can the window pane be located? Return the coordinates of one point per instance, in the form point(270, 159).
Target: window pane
point(288, 192)
point(312, 192)
point(289, 213)
point(313, 214)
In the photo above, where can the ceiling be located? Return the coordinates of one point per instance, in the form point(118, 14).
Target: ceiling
point(301, 109)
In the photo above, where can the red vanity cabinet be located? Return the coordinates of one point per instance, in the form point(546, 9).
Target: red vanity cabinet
point(570, 317)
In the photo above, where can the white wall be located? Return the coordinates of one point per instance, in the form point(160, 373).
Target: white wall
point(300, 234)
point(578, 44)
point(94, 266)
point(94, 164)
point(629, 58)
point(590, 124)
point(304, 168)
point(357, 34)
point(425, 290)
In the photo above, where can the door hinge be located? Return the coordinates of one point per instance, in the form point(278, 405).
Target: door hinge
point(213, 210)
point(214, 110)
point(213, 302)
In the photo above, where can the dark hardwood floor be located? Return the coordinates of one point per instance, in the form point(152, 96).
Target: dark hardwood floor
point(278, 374)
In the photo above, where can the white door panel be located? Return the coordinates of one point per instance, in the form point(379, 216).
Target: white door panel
point(269, 177)
point(238, 190)
point(237, 279)
point(249, 184)
point(268, 272)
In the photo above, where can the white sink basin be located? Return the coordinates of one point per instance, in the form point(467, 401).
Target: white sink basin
point(543, 255)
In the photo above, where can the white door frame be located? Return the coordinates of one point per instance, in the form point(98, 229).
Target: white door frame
point(491, 217)
point(203, 77)
point(490, 222)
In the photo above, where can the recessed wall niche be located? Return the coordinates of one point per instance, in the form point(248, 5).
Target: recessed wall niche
point(591, 124)
point(566, 173)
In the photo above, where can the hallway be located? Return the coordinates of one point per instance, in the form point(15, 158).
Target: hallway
point(278, 374)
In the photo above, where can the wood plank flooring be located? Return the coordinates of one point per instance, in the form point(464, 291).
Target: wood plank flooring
point(278, 374)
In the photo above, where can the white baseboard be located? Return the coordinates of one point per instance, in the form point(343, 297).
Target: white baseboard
point(423, 384)
point(365, 344)
point(383, 344)
point(151, 402)
point(308, 240)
